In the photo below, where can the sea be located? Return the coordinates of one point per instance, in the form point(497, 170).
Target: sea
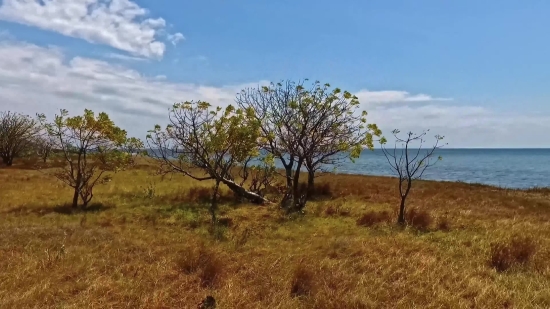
point(506, 168)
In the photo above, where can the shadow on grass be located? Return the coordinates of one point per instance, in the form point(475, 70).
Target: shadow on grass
point(65, 209)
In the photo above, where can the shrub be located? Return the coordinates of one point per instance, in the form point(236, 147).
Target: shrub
point(517, 251)
point(302, 281)
point(331, 211)
point(319, 190)
point(374, 217)
point(199, 194)
point(204, 263)
point(443, 224)
point(419, 219)
point(322, 190)
point(227, 222)
point(337, 210)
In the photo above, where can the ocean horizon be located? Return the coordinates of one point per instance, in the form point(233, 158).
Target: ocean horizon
point(513, 168)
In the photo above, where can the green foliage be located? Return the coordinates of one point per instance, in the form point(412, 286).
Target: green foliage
point(309, 127)
point(89, 145)
point(207, 137)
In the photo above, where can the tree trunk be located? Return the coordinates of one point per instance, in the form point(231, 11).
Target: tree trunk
point(296, 201)
point(8, 161)
point(401, 217)
point(242, 192)
point(214, 204)
point(75, 197)
point(310, 183)
point(288, 171)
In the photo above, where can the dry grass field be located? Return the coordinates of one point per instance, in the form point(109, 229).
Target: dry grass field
point(146, 242)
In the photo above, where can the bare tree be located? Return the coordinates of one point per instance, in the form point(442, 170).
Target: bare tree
point(44, 144)
point(410, 162)
point(17, 133)
point(307, 129)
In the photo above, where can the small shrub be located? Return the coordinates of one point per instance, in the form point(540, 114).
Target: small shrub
point(208, 303)
point(149, 191)
point(337, 210)
point(331, 211)
point(517, 251)
point(322, 190)
point(443, 224)
point(374, 217)
point(227, 222)
point(302, 282)
point(204, 263)
point(218, 232)
point(419, 219)
point(199, 195)
point(242, 238)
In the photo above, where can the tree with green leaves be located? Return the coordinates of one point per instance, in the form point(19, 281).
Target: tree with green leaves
point(308, 128)
point(90, 146)
point(208, 143)
point(17, 133)
point(410, 161)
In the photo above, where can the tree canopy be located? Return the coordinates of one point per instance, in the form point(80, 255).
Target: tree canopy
point(90, 145)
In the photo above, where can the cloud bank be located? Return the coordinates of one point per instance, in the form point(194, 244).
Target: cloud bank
point(118, 23)
point(43, 79)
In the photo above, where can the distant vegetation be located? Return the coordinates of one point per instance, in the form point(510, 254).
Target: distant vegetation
point(302, 126)
point(207, 213)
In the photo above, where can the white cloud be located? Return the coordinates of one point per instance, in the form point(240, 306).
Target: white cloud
point(393, 96)
point(37, 79)
point(124, 57)
point(175, 38)
point(118, 23)
point(464, 125)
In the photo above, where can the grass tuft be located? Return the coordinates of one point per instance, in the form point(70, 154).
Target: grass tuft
point(302, 281)
point(204, 263)
point(419, 219)
point(519, 250)
point(374, 217)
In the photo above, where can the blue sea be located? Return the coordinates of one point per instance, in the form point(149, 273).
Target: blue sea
point(508, 168)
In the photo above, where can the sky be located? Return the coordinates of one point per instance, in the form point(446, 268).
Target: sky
point(477, 72)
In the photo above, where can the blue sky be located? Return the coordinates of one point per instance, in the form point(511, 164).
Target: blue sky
point(475, 71)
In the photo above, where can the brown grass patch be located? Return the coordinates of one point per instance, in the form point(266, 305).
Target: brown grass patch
point(374, 217)
point(142, 253)
point(519, 250)
point(204, 263)
point(302, 281)
point(419, 219)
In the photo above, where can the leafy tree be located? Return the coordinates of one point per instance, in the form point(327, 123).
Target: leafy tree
point(207, 143)
point(308, 128)
point(17, 133)
point(90, 146)
point(410, 162)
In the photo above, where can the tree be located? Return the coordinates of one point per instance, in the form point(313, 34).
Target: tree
point(307, 128)
point(90, 146)
point(409, 162)
point(17, 133)
point(207, 143)
point(44, 145)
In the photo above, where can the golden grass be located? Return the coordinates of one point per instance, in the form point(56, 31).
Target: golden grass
point(147, 244)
